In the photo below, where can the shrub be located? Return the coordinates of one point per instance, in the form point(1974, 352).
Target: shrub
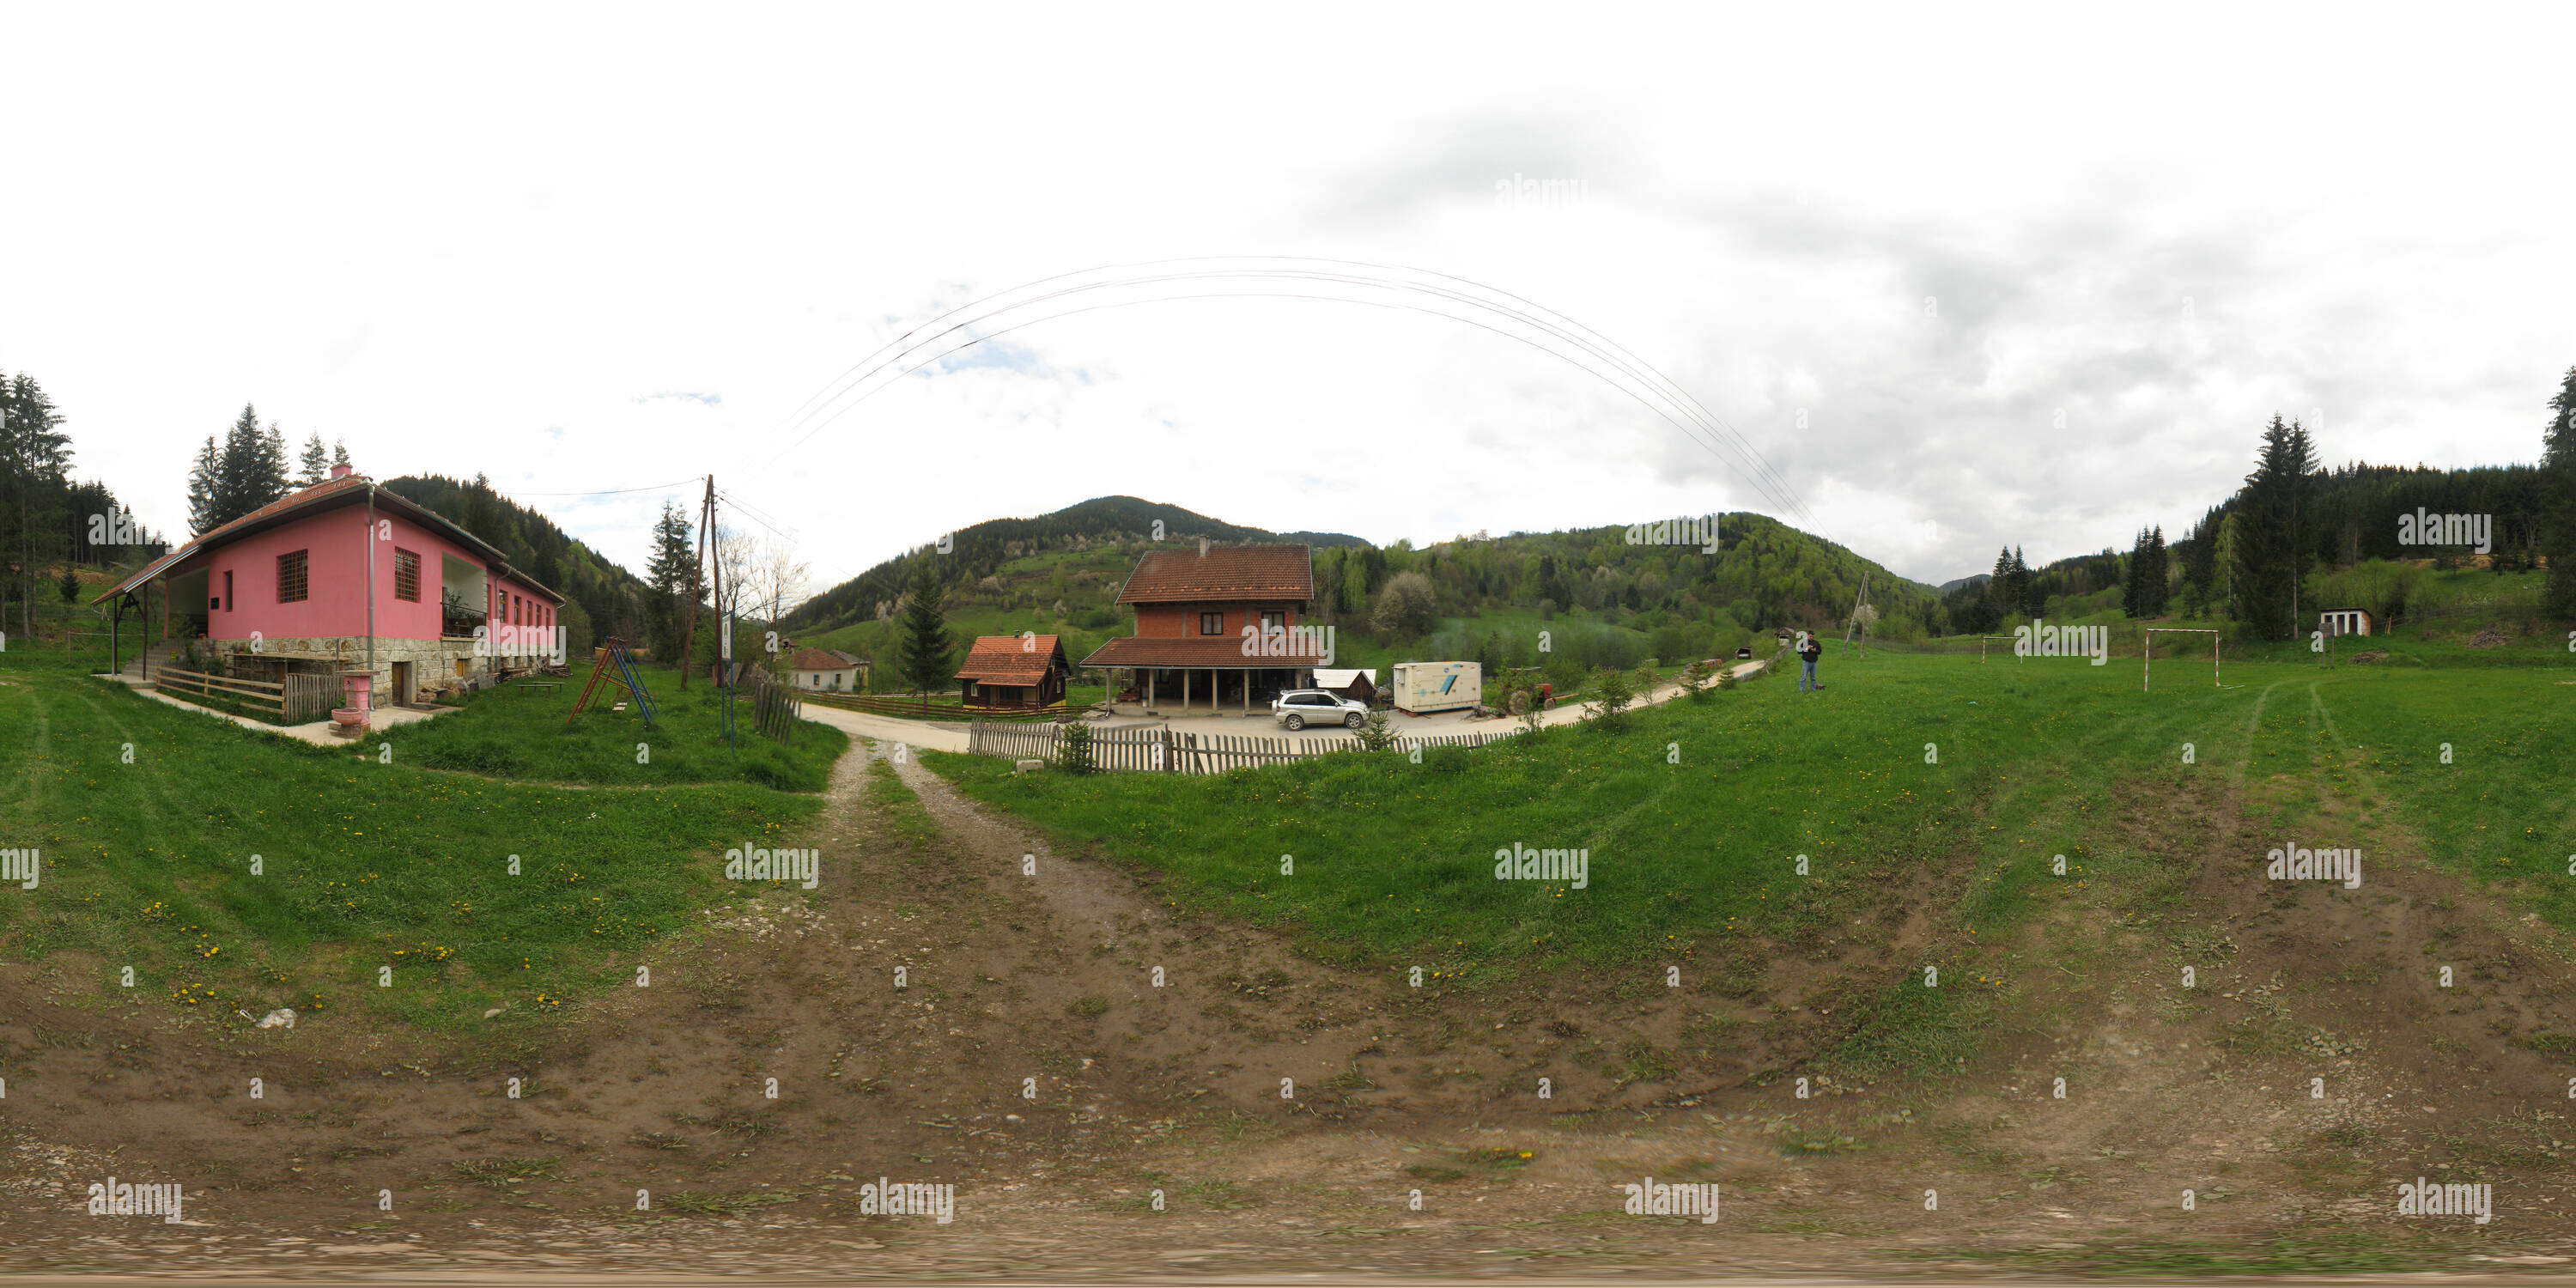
point(1695, 680)
point(1377, 731)
point(1611, 695)
point(1073, 748)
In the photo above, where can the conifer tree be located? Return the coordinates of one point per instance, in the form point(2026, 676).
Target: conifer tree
point(926, 644)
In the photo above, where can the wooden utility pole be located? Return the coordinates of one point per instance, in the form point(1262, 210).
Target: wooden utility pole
point(697, 576)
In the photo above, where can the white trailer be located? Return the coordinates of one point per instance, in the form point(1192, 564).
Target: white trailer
point(1424, 687)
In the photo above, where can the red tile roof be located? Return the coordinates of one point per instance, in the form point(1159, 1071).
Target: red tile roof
point(1011, 660)
point(315, 495)
point(1221, 652)
point(1223, 573)
point(815, 659)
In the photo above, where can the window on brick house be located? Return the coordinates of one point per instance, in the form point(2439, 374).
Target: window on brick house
point(1211, 623)
point(406, 575)
point(290, 577)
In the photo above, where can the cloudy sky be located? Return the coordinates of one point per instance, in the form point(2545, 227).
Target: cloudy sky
point(1962, 277)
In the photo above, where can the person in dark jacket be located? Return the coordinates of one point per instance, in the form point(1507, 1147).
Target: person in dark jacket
point(1809, 650)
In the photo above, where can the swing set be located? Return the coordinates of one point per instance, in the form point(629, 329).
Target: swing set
point(611, 663)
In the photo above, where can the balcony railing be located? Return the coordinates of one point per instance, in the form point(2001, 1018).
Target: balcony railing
point(458, 621)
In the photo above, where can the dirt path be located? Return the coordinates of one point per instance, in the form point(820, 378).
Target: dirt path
point(1029, 1060)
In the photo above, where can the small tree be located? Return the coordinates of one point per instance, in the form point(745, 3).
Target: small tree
point(1646, 678)
point(1611, 695)
point(70, 586)
point(1377, 732)
point(1073, 748)
point(1695, 680)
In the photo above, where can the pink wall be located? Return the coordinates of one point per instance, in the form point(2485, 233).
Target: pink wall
point(335, 578)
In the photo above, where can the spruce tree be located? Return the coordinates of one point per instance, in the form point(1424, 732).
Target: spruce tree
point(2152, 584)
point(669, 572)
point(2137, 569)
point(2558, 525)
point(339, 451)
point(315, 464)
point(205, 479)
point(2272, 550)
point(926, 645)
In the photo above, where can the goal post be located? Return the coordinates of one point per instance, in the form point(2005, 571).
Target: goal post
point(2147, 652)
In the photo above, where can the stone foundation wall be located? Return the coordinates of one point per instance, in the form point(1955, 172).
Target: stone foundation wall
point(434, 662)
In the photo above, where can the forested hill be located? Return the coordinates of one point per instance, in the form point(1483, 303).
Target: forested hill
point(607, 595)
point(981, 550)
point(1767, 574)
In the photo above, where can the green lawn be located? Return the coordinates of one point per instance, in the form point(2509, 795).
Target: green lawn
point(1694, 862)
point(147, 863)
point(513, 732)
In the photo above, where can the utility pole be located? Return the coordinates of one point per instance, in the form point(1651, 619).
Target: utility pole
point(697, 575)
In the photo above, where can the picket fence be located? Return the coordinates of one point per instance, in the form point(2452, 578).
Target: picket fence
point(1162, 749)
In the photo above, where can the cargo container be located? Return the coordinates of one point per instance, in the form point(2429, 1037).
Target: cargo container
point(1424, 687)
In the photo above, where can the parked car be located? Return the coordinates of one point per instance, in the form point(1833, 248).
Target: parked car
point(1298, 708)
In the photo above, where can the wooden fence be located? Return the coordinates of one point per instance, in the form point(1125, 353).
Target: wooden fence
point(775, 707)
point(1161, 749)
point(890, 706)
point(311, 697)
point(198, 682)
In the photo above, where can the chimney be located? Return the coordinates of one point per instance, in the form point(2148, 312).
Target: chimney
point(339, 471)
point(1203, 547)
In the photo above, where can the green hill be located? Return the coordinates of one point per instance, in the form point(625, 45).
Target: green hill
point(1567, 601)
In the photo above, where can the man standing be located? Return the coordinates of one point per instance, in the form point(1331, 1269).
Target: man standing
point(1809, 649)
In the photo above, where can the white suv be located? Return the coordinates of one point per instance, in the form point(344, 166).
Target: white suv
point(1298, 708)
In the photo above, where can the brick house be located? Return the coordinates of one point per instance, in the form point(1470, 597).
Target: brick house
point(1228, 622)
point(342, 577)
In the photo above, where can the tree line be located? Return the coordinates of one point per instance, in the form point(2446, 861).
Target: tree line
point(51, 524)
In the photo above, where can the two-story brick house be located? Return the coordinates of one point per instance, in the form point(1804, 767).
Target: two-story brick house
point(1227, 623)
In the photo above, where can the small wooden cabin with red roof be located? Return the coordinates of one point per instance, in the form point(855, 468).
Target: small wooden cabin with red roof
point(1014, 672)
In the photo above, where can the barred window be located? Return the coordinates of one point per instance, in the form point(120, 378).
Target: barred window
point(290, 577)
point(406, 575)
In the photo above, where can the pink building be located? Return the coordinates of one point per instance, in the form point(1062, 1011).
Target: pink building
point(288, 588)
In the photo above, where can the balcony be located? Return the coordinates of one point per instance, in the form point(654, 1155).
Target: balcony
point(458, 620)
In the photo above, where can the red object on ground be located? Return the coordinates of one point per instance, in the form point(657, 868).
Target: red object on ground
point(1546, 694)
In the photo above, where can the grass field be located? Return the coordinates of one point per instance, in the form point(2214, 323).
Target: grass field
point(147, 862)
point(512, 732)
point(1695, 861)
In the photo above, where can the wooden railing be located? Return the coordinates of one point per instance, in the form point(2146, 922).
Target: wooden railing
point(208, 685)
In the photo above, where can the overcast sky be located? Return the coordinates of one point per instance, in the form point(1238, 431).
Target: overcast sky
point(2032, 276)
